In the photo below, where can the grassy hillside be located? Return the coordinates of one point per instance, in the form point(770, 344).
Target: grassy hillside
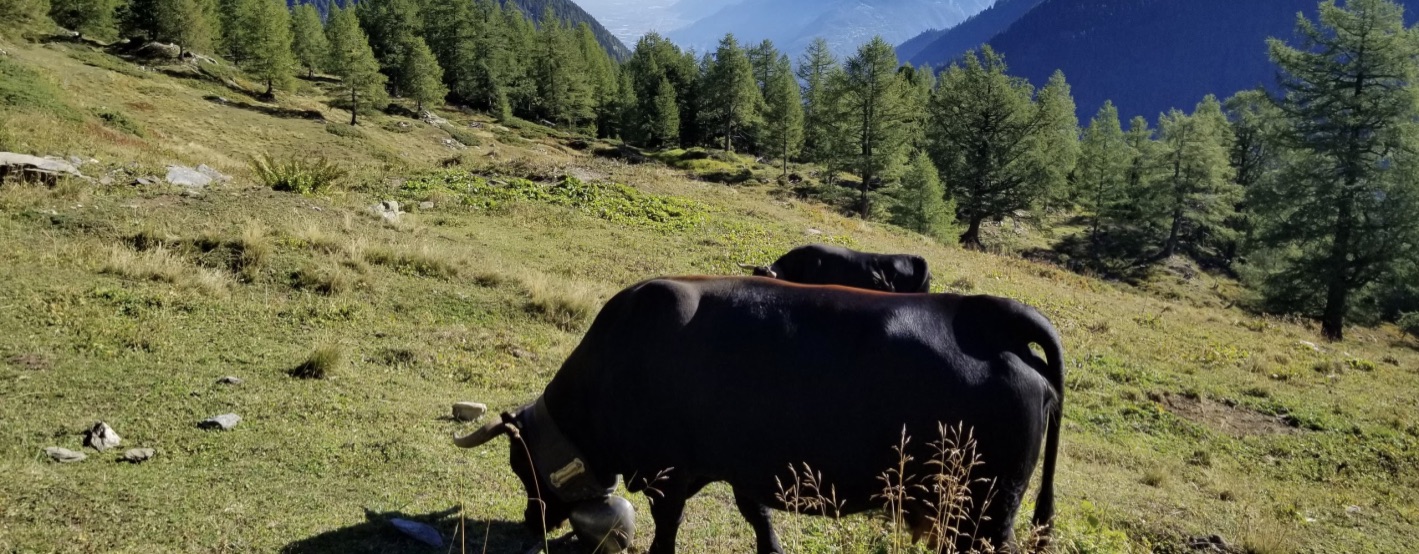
point(125, 303)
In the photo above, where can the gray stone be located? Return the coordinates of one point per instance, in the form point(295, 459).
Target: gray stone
point(64, 455)
point(145, 181)
point(418, 531)
point(212, 173)
point(106, 180)
point(468, 411)
point(75, 161)
point(433, 119)
point(159, 50)
point(230, 380)
point(426, 205)
point(388, 209)
point(225, 422)
point(138, 455)
point(184, 176)
point(101, 437)
point(24, 165)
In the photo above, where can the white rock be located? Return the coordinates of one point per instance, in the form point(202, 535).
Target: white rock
point(225, 422)
point(138, 455)
point(184, 176)
point(101, 437)
point(64, 455)
point(468, 411)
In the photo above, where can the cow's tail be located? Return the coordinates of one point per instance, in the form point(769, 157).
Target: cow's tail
point(1045, 335)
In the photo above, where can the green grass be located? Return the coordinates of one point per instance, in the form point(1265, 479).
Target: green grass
point(302, 176)
point(125, 304)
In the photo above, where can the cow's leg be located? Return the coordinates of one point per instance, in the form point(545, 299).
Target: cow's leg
point(667, 509)
point(757, 514)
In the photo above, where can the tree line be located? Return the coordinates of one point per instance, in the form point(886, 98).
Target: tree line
point(1307, 192)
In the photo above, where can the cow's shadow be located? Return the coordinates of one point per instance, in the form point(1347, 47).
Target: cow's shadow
point(377, 535)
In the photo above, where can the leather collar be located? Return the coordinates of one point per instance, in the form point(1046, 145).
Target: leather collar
point(557, 461)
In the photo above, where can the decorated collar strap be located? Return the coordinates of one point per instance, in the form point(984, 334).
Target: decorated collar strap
point(557, 461)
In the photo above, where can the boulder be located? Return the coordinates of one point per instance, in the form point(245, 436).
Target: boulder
point(24, 166)
point(137, 455)
point(184, 176)
point(468, 411)
point(158, 50)
point(64, 455)
point(225, 422)
point(101, 437)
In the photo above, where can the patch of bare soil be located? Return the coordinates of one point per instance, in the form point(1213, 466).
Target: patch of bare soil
point(32, 362)
point(1231, 419)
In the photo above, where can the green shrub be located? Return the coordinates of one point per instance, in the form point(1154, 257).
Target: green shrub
point(343, 130)
point(304, 176)
point(115, 119)
point(1409, 323)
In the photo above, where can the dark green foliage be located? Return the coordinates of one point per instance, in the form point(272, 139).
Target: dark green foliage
point(564, 92)
point(90, 18)
point(389, 25)
point(423, 76)
point(1102, 172)
point(268, 28)
point(117, 120)
point(572, 16)
point(921, 205)
point(732, 104)
point(1197, 192)
point(783, 115)
point(16, 15)
point(309, 45)
point(1344, 212)
point(655, 118)
point(353, 61)
point(191, 24)
point(875, 102)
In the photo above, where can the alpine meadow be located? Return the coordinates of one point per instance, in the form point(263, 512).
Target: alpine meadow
point(251, 252)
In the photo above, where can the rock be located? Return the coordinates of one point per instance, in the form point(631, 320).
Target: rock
point(388, 209)
point(1311, 345)
point(35, 167)
point(230, 380)
point(522, 354)
point(1352, 510)
point(225, 422)
point(145, 181)
point(184, 176)
point(418, 531)
point(212, 173)
point(75, 161)
point(426, 205)
point(1210, 543)
point(468, 411)
point(106, 180)
point(159, 50)
point(452, 144)
point(137, 455)
point(64, 455)
point(101, 437)
point(813, 231)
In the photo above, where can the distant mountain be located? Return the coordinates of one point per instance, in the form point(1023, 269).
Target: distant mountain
point(1147, 56)
point(939, 47)
point(845, 24)
point(631, 19)
point(566, 10)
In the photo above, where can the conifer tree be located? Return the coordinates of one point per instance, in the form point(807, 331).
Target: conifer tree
point(309, 45)
point(186, 23)
point(985, 134)
point(1255, 157)
point(1139, 210)
point(1103, 167)
point(424, 76)
point(90, 18)
point(390, 24)
point(235, 39)
point(814, 70)
point(921, 204)
point(654, 118)
point(1059, 137)
point(603, 79)
point(564, 95)
point(1197, 184)
point(270, 46)
point(877, 108)
point(732, 101)
point(352, 59)
point(518, 38)
point(1345, 210)
point(783, 116)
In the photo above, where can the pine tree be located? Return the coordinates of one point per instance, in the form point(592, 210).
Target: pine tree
point(877, 108)
point(451, 31)
point(1142, 206)
point(603, 79)
point(732, 101)
point(564, 93)
point(1059, 139)
point(185, 23)
point(783, 133)
point(516, 69)
point(819, 114)
point(91, 18)
point(1197, 181)
point(921, 205)
point(1345, 211)
point(235, 39)
point(270, 46)
point(309, 45)
point(424, 76)
point(1254, 157)
point(390, 24)
point(1102, 173)
point(985, 134)
point(352, 59)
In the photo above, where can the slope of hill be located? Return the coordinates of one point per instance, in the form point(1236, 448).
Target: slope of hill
point(793, 24)
point(1148, 55)
point(630, 19)
point(566, 10)
point(124, 301)
point(938, 47)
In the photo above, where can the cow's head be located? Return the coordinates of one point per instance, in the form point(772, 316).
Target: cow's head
point(760, 270)
point(605, 516)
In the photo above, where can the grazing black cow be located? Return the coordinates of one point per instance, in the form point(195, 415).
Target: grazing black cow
point(681, 382)
point(821, 264)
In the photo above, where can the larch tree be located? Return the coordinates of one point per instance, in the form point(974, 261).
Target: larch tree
point(783, 116)
point(1197, 188)
point(732, 103)
point(877, 110)
point(921, 201)
point(90, 18)
point(308, 44)
point(270, 46)
point(423, 76)
point(1059, 138)
point(390, 24)
point(186, 23)
point(352, 59)
point(984, 134)
point(1345, 210)
point(1103, 167)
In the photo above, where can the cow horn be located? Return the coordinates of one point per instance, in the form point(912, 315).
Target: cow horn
point(748, 267)
point(477, 438)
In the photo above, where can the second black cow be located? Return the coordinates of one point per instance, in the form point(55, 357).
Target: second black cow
point(821, 264)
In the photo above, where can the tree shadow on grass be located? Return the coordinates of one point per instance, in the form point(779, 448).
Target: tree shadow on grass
point(377, 535)
point(273, 111)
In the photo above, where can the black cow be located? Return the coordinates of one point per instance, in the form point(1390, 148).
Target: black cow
point(821, 264)
point(681, 382)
